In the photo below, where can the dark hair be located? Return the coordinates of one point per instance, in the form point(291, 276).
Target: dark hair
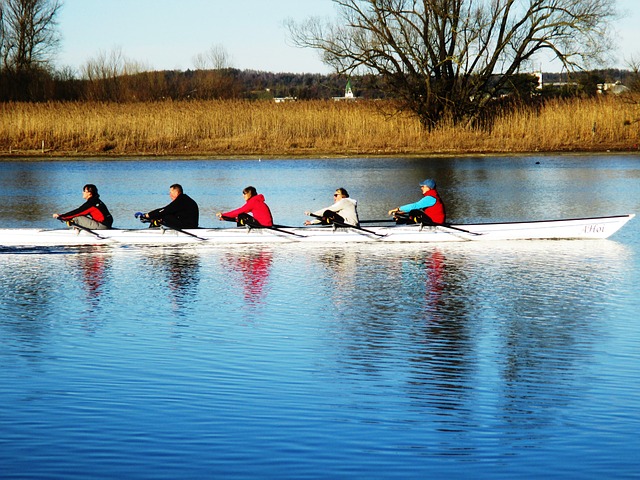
point(342, 192)
point(250, 190)
point(91, 188)
point(176, 186)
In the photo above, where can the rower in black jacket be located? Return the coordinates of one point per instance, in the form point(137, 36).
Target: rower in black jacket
point(181, 213)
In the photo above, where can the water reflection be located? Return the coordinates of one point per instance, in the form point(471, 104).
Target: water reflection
point(18, 183)
point(93, 269)
point(342, 266)
point(439, 338)
point(407, 299)
point(29, 286)
point(181, 271)
point(457, 322)
point(250, 269)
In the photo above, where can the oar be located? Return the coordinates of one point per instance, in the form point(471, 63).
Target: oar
point(444, 225)
point(448, 225)
point(346, 225)
point(80, 227)
point(274, 228)
point(181, 231)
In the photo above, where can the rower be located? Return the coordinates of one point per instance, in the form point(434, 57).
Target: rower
point(92, 214)
point(254, 213)
point(344, 210)
point(429, 210)
point(181, 213)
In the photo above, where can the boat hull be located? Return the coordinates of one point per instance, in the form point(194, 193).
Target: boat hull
point(578, 228)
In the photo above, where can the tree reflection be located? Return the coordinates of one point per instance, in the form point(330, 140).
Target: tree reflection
point(440, 360)
point(30, 286)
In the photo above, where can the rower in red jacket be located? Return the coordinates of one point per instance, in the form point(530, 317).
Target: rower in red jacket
point(92, 214)
point(255, 205)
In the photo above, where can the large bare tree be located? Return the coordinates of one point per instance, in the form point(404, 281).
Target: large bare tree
point(27, 33)
point(446, 59)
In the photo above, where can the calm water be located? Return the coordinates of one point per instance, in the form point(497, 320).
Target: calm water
point(512, 359)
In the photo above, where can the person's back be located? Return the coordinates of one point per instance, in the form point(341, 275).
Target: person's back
point(188, 213)
point(348, 210)
point(260, 210)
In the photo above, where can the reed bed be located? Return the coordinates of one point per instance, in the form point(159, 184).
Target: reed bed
point(313, 128)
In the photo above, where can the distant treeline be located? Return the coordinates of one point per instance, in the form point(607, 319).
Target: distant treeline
point(225, 84)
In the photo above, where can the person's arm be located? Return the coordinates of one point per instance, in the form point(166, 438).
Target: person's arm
point(171, 209)
point(315, 221)
point(81, 210)
point(321, 211)
point(424, 202)
point(335, 207)
point(155, 214)
point(246, 208)
point(338, 206)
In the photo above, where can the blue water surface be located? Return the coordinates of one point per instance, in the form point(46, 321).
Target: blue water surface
point(470, 360)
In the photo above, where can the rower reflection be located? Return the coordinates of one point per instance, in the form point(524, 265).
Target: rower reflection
point(182, 271)
point(253, 266)
point(435, 284)
point(93, 268)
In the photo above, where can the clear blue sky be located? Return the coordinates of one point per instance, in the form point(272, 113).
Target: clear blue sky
point(167, 34)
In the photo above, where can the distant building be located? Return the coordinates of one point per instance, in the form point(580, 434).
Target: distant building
point(348, 93)
point(284, 99)
point(614, 88)
point(538, 75)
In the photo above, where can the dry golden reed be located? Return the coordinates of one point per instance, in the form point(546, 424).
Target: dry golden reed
point(309, 128)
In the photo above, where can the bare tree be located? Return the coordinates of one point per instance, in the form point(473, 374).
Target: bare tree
point(446, 59)
point(2, 39)
point(28, 36)
point(110, 76)
point(633, 63)
point(216, 58)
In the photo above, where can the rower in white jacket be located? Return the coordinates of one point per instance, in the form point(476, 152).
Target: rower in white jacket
point(343, 210)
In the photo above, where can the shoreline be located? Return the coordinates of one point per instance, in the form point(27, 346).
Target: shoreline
point(65, 156)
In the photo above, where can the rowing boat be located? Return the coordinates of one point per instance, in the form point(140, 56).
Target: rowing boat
point(575, 228)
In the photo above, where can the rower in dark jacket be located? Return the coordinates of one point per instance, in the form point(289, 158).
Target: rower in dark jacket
point(92, 214)
point(181, 213)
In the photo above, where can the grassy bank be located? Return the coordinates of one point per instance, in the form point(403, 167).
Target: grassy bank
point(235, 128)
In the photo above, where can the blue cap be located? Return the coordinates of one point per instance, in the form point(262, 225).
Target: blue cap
point(429, 182)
